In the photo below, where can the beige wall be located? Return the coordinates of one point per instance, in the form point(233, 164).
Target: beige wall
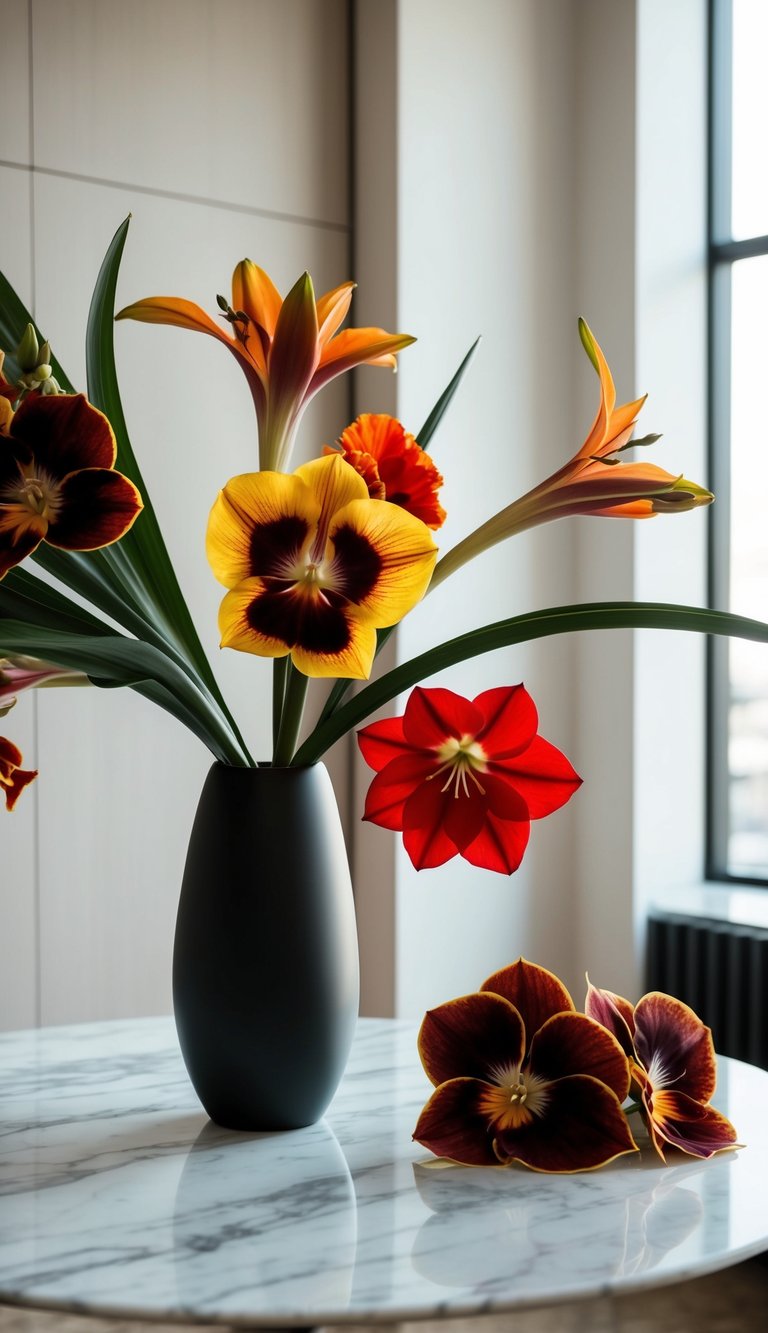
point(222, 126)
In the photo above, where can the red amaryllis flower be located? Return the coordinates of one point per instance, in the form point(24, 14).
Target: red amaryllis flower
point(57, 479)
point(672, 1060)
point(13, 778)
point(393, 466)
point(464, 778)
point(521, 1077)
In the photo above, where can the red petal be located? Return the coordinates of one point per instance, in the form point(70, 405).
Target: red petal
point(470, 1037)
point(572, 1044)
point(542, 775)
point(614, 1013)
point(390, 789)
point(10, 757)
point(97, 508)
point(674, 1046)
point(432, 716)
point(13, 789)
point(382, 741)
point(424, 836)
point(684, 1123)
point(64, 433)
point(536, 993)
point(451, 1124)
point(582, 1127)
point(500, 845)
point(510, 720)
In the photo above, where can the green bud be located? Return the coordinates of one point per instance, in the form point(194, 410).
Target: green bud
point(44, 356)
point(41, 373)
point(28, 349)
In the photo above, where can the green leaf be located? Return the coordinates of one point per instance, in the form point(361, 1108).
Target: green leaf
point(14, 318)
point(110, 659)
point(522, 629)
point(441, 406)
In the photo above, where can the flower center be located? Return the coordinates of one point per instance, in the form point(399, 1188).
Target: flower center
point(461, 759)
point(513, 1097)
point(32, 501)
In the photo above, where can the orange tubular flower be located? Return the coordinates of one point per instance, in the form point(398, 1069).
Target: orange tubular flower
point(595, 481)
point(13, 778)
point(289, 349)
point(672, 1063)
point(521, 1077)
point(393, 466)
point(314, 566)
point(57, 479)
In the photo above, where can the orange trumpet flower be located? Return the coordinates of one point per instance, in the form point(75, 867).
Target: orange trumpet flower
point(288, 348)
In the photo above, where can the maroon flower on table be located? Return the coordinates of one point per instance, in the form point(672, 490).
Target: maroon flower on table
point(13, 778)
point(57, 479)
point(464, 778)
point(521, 1077)
point(672, 1062)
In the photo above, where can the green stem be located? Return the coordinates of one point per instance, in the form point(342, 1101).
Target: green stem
point(279, 675)
point(290, 723)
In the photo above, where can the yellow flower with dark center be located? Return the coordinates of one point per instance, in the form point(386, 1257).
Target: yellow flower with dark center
point(314, 566)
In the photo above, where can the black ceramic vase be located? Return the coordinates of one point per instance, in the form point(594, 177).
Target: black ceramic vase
point(265, 963)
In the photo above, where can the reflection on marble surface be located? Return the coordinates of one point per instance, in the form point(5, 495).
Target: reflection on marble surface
point(118, 1196)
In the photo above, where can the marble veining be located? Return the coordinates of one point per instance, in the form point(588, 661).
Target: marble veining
point(118, 1196)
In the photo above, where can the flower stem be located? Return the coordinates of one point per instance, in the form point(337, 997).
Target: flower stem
point(279, 673)
point(290, 723)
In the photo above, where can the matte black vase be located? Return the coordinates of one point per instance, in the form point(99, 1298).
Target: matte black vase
point(265, 962)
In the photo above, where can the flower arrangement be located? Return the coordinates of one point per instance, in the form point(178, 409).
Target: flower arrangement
point(520, 1076)
point(318, 565)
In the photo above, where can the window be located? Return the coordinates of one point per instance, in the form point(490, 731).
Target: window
point(738, 687)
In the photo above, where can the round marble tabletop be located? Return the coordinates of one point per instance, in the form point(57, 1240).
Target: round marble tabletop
point(119, 1197)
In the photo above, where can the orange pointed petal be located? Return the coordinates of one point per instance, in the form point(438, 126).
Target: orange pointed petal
point(174, 310)
point(332, 311)
point(254, 292)
point(356, 347)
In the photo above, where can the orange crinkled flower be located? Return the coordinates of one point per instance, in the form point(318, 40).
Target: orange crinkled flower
point(393, 466)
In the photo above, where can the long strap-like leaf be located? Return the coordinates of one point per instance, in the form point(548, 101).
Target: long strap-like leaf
point(521, 629)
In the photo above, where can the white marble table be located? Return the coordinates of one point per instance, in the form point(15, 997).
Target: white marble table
point(118, 1197)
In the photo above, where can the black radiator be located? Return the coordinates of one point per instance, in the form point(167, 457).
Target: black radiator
point(721, 970)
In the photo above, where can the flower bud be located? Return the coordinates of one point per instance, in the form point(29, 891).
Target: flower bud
point(28, 350)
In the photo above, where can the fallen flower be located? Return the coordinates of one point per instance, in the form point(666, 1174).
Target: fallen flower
point(672, 1062)
point(521, 1077)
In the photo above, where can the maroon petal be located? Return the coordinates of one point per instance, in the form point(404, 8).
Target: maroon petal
point(424, 835)
point(510, 720)
point(582, 1127)
point(15, 546)
point(65, 433)
point(684, 1123)
point(452, 1125)
point(569, 1043)
point(542, 775)
point(614, 1013)
point(471, 1037)
point(97, 508)
point(675, 1046)
point(432, 716)
point(536, 993)
point(383, 741)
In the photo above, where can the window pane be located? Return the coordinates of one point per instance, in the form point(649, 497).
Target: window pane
point(748, 743)
point(750, 118)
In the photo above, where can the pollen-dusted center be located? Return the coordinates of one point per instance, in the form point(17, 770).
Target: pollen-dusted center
point(461, 758)
point(35, 497)
point(513, 1098)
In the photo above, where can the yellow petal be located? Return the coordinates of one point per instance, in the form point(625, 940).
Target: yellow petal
point(333, 483)
point(258, 511)
point(235, 628)
point(405, 550)
point(353, 663)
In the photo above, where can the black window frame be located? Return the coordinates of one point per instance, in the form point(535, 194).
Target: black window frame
point(723, 251)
